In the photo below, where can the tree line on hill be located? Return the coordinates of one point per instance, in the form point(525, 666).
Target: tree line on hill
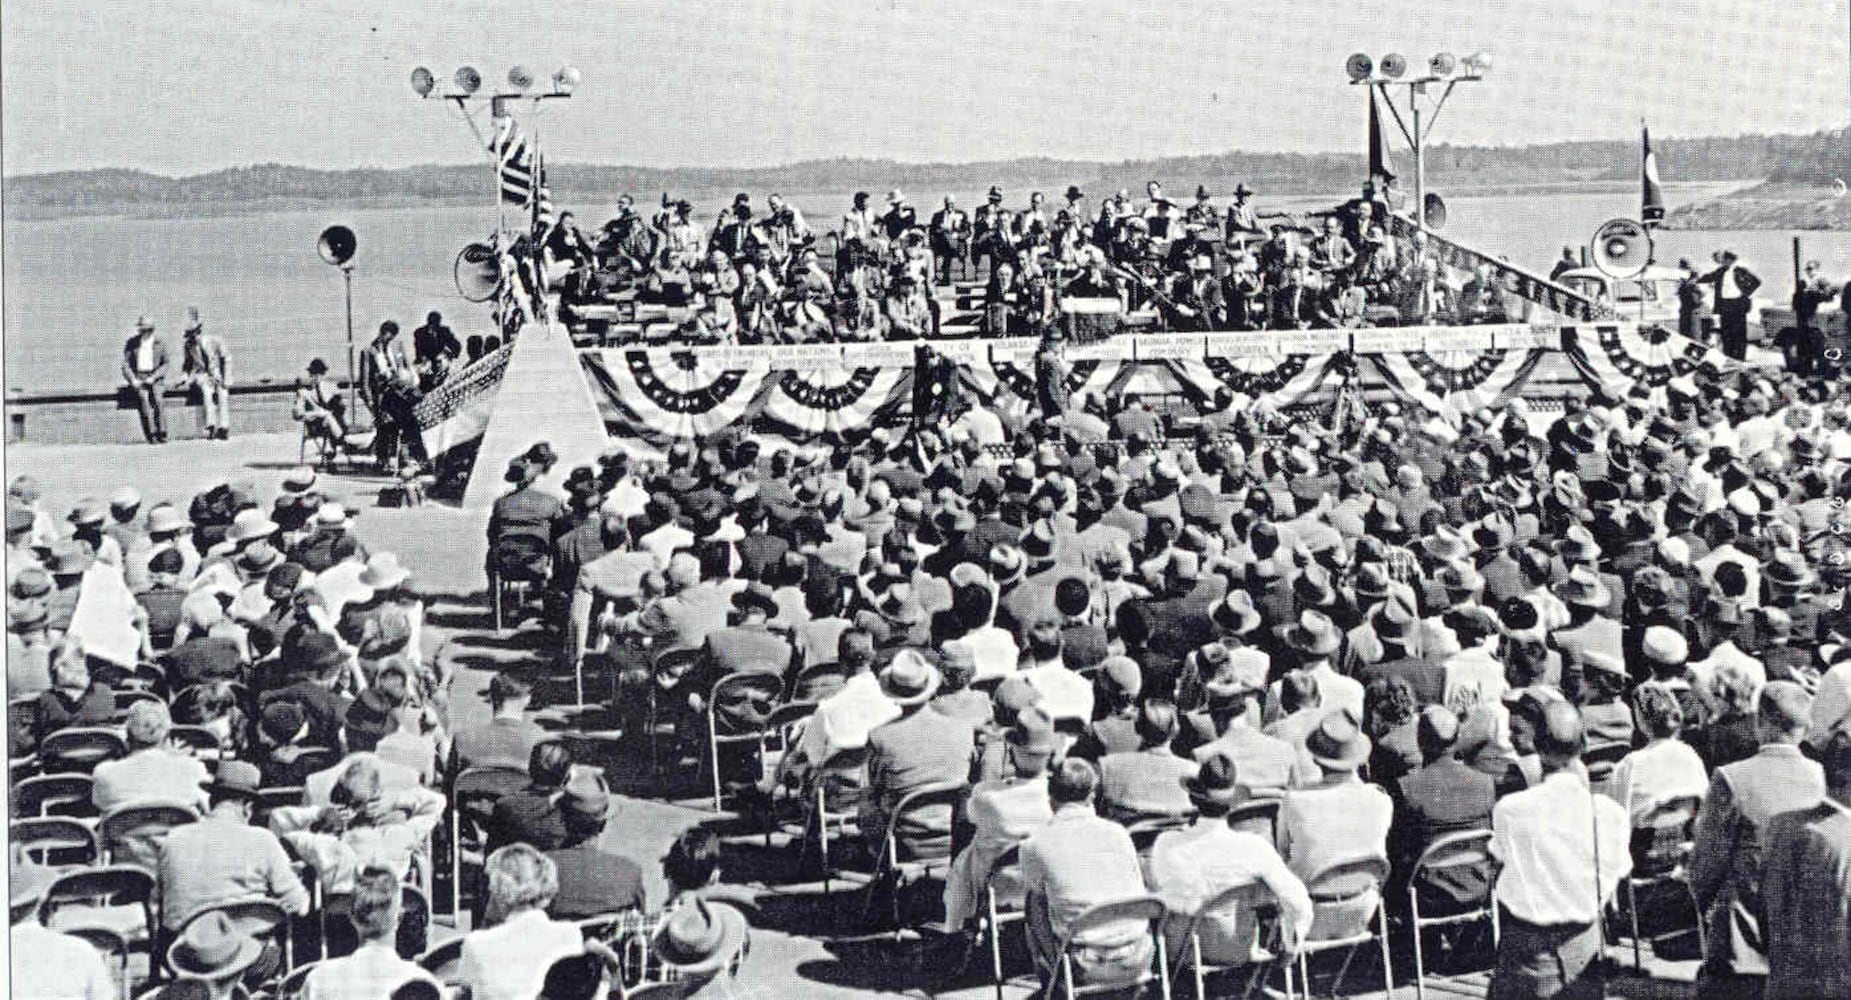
point(1815, 158)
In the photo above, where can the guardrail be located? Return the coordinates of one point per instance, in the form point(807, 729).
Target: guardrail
point(96, 416)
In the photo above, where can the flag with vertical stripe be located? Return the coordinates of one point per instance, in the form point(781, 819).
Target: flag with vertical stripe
point(541, 199)
point(1651, 194)
point(514, 161)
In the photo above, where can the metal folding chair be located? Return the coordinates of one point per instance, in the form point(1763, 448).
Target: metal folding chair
point(889, 864)
point(1662, 844)
point(1149, 910)
point(54, 840)
point(1254, 911)
point(101, 889)
point(996, 913)
point(1259, 817)
point(1600, 759)
point(258, 918)
point(290, 986)
point(54, 795)
point(200, 741)
point(80, 748)
point(442, 960)
point(761, 690)
point(133, 834)
point(473, 795)
point(1464, 850)
point(1345, 899)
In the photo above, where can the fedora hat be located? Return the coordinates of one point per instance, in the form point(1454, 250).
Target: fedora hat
point(89, 511)
point(1372, 581)
point(1240, 672)
point(212, 947)
point(1337, 744)
point(1396, 618)
point(756, 595)
point(1237, 613)
point(1007, 564)
point(1217, 780)
point(1074, 193)
point(1578, 545)
point(310, 650)
point(241, 777)
point(248, 524)
point(1242, 191)
point(259, 559)
point(1313, 634)
point(1444, 545)
point(383, 572)
point(909, 680)
point(1790, 569)
point(331, 515)
point(1313, 587)
point(699, 938)
point(1461, 580)
point(69, 557)
point(1584, 588)
point(1034, 732)
point(1661, 644)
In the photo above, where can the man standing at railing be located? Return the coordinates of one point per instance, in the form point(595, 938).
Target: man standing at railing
point(202, 360)
point(144, 368)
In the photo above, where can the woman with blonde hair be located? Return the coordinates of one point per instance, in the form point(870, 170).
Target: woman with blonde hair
point(509, 957)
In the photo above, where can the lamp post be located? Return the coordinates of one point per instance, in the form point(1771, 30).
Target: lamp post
point(1442, 68)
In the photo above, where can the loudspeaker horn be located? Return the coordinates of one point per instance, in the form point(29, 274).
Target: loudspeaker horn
point(1359, 66)
point(1435, 211)
point(1393, 65)
point(337, 245)
point(478, 272)
point(1621, 248)
point(1443, 64)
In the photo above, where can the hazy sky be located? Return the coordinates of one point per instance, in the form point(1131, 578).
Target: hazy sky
point(181, 86)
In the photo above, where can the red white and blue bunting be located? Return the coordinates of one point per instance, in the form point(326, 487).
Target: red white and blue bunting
point(819, 391)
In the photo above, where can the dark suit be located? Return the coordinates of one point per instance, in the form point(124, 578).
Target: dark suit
point(1427, 678)
point(1446, 796)
point(594, 882)
point(146, 383)
point(529, 816)
point(526, 514)
point(1805, 882)
point(1726, 865)
point(206, 658)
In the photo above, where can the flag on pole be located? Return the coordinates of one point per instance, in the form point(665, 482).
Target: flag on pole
point(541, 199)
point(1379, 164)
point(514, 160)
point(1651, 195)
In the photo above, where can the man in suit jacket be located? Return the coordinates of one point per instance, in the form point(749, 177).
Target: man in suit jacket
point(1805, 881)
point(1146, 784)
point(1075, 862)
point(532, 815)
point(591, 882)
point(1397, 628)
point(1445, 796)
point(151, 772)
point(1002, 814)
point(144, 369)
point(1726, 866)
point(915, 751)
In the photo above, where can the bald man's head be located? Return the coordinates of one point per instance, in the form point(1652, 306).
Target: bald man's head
point(1559, 737)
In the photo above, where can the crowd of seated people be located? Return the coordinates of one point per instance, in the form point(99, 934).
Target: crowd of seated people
point(766, 276)
point(1418, 630)
point(1116, 663)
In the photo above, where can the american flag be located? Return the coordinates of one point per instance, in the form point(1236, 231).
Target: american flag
point(540, 200)
point(515, 160)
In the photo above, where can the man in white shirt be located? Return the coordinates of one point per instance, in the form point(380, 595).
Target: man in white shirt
point(1563, 851)
point(1002, 814)
point(374, 969)
point(1077, 861)
point(1190, 867)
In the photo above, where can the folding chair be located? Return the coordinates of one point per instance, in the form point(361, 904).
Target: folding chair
point(113, 948)
point(804, 684)
point(1345, 898)
point(759, 690)
point(259, 918)
point(133, 834)
point(414, 925)
point(54, 840)
point(200, 741)
point(80, 749)
point(889, 864)
point(1600, 759)
point(1147, 909)
point(271, 799)
point(817, 814)
point(776, 739)
point(996, 912)
point(666, 671)
point(102, 889)
point(473, 795)
point(1466, 849)
point(1259, 817)
point(1662, 844)
point(1252, 911)
point(21, 714)
point(510, 576)
point(54, 795)
point(290, 986)
point(442, 960)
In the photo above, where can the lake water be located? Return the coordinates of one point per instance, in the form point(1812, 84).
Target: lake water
point(74, 287)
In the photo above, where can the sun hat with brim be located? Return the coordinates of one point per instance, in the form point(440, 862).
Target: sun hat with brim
point(249, 524)
point(909, 679)
point(1337, 744)
point(1313, 634)
point(241, 777)
point(383, 572)
point(259, 559)
point(1372, 581)
point(1584, 589)
point(1217, 780)
point(1789, 569)
point(89, 510)
point(1007, 563)
point(1243, 672)
point(1237, 613)
point(212, 947)
point(757, 596)
point(24, 616)
point(1444, 545)
point(165, 517)
point(699, 938)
